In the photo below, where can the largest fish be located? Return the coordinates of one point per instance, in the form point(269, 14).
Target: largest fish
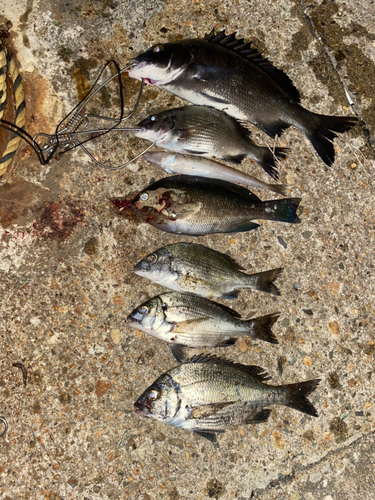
point(229, 75)
point(208, 394)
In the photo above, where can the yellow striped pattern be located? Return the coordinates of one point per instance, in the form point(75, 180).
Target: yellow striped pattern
point(8, 63)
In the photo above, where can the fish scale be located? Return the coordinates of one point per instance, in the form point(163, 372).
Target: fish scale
point(214, 72)
point(207, 132)
point(208, 394)
point(199, 270)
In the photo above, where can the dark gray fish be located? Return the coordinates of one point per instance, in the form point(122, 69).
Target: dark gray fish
point(229, 75)
point(184, 320)
point(199, 270)
point(208, 394)
point(209, 133)
point(184, 204)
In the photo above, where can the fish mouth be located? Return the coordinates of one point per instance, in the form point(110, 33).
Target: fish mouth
point(133, 319)
point(136, 72)
point(139, 409)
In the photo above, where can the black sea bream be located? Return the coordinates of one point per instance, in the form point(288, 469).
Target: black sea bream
point(208, 394)
point(184, 204)
point(229, 75)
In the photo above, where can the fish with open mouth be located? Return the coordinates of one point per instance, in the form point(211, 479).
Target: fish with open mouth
point(185, 320)
point(207, 132)
point(199, 270)
point(204, 167)
point(230, 75)
point(208, 394)
point(185, 204)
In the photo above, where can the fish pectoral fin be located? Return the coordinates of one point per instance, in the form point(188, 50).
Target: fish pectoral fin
point(185, 134)
point(182, 211)
point(214, 73)
point(204, 411)
point(259, 417)
point(211, 436)
point(228, 342)
point(186, 326)
point(178, 352)
point(214, 98)
point(194, 152)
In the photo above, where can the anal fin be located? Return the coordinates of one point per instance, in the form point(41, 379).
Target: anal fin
point(211, 436)
point(258, 418)
point(273, 129)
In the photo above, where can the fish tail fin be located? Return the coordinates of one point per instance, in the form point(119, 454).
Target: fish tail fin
point(261, 328)
point(297, 396)
point(324, 131)
point(267, 160)
point(264, 281)
point(284, 210)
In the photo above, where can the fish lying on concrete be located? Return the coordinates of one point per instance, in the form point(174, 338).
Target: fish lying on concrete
point(204, 167)
point(184, 204)
point(208, 394)
point(207, 132)
point(199, 270)
point(185, 320)
point(228, 74)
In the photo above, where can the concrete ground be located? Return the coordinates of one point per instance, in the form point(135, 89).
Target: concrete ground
point(66, 260)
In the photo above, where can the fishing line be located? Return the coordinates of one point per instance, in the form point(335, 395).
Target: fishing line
point(68, 133)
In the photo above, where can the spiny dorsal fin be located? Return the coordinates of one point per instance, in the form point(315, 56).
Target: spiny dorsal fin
point(255, 371)
point(252, 55)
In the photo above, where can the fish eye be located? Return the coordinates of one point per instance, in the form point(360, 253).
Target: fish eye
point(153, 118)
point(158, 48)
point(153, 395)
point(151, 258)
point(143, 309)
point(144, 196)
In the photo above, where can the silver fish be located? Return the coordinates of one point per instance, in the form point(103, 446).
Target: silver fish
point(228, 74)
point(184, 320)
point(185, 204)
point(207, 132)
point(204, 167)
point(199, 270)
point(208, 394)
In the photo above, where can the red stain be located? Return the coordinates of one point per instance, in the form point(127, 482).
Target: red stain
point(58, 220)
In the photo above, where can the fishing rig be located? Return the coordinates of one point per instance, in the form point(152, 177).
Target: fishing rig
point(77, 129)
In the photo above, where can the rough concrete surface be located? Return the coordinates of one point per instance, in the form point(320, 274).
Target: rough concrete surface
point(66, 259)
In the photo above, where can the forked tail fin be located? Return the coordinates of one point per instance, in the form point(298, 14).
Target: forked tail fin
point(324, 131)
point(267, 161)
point(284, 210)
point(297, 396)
point(263, 281)
point(261, 328)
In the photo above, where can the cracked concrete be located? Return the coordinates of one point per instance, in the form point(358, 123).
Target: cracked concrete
point(66, 261)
